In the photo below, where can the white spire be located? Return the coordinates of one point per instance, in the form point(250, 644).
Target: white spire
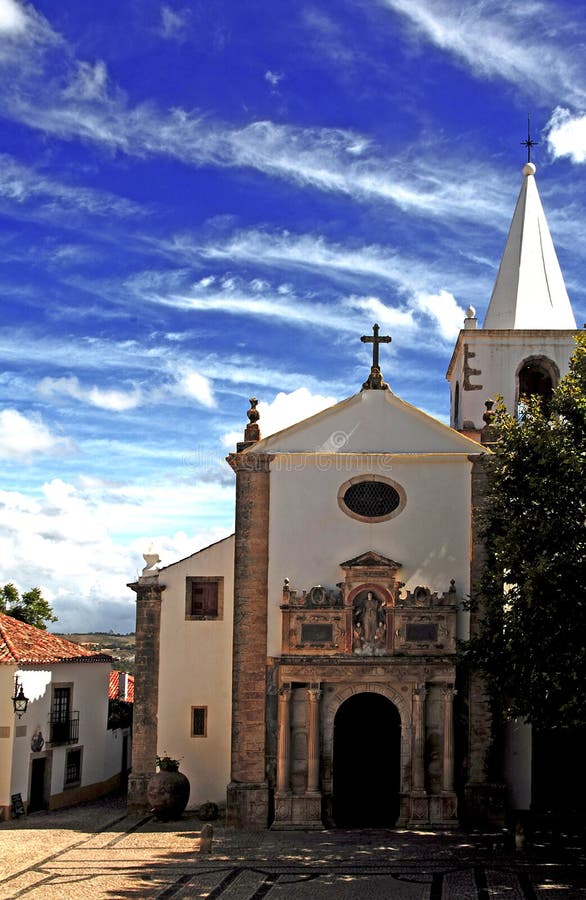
point(529, 291)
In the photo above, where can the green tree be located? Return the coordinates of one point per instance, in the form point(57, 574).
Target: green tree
point(30, 607)
point(531, 643)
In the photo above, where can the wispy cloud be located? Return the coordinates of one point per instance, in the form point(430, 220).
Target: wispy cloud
point(523, 43)
point(185, 382)
point(12, 18)
point(26, 438)
point(82, 103)
point(174, 23)
point(21, 185)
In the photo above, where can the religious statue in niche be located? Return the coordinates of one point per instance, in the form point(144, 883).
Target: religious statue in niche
point(369, 625)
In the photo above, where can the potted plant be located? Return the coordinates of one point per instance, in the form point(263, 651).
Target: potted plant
point(168, 789)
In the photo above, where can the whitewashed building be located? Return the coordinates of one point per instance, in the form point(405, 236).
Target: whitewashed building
point(60, 751)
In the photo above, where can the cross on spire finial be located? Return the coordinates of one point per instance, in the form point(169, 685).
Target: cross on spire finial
point(375, 379)
point(529, 143)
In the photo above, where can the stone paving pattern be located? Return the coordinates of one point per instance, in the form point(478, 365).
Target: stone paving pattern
point(98, 851)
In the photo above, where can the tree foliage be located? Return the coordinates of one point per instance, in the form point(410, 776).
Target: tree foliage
point(532, 638)
point(30, 606)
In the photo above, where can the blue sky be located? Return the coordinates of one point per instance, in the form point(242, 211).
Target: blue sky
point(205, 201)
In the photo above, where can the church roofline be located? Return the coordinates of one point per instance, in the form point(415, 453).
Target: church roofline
point(266, 445)
point(196, 553)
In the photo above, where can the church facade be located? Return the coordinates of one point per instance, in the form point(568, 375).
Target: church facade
point(305, 669)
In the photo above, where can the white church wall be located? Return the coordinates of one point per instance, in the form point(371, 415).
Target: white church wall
point(310, 535)
point(197, 672)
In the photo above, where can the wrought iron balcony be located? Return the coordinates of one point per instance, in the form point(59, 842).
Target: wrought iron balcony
point(64, 729)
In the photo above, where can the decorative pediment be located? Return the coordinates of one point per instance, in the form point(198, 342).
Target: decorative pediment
point(370, 559)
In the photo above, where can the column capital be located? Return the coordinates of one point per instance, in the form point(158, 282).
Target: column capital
point(419, 692)
point(448, 692)
point(250, 462)
point(314, 694)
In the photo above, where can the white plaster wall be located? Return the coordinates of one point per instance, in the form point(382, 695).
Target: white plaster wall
point(113, 740)
point(89, 696)
point(196, 670)
point(498, 356)
point(7, 720)
point(310, 535)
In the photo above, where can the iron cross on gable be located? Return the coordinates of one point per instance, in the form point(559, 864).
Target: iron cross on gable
point(375, 340)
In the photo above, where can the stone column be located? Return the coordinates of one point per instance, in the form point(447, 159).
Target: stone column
point(284, 740)
point(146, 682)
point(248, 795)
point(448, 760)
point(418, 761)
point(313, 697)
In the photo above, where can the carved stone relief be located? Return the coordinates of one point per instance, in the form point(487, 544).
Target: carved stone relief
point(369, 636)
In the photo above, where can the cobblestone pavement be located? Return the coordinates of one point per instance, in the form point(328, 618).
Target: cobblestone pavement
point(97, 851)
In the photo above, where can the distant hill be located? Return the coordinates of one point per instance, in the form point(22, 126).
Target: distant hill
point(120, 646)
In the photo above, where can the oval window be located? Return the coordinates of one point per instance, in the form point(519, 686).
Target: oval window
point(371, 499)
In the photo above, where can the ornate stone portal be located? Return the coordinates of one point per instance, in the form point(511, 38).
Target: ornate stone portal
point(365, 634)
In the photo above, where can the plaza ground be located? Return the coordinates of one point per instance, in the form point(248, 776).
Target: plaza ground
point(97, 851)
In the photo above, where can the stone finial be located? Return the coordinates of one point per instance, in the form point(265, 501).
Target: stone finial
point(488, 435)
point(471, 320)
point(252, 430)
point(151, 559)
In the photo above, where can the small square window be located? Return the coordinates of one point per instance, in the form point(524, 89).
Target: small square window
point(199, 721)
point(73, 767)
point(203, 597)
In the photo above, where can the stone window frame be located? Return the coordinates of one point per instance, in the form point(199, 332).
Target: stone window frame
point(198, 734)
point(67, 785)
point(357, 479)
point(204, 579)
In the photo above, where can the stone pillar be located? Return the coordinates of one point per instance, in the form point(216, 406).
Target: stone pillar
point(448, 756)
point(248, 795)
point(418, 761)
point(146, 682)
point(284, 741)
point(313, 697)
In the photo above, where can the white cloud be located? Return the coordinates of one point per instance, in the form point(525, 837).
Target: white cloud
point(182, 382)
point(23, 438)
point(174, 23)
point(71, 540)
point(516, 42)
point(388, 316)
point(12, 17)
point(19, 184)
point(273, 78)
point(566, 134)
point(113, 400)
point(444, 309)
point(283, 411)
point(196, 386)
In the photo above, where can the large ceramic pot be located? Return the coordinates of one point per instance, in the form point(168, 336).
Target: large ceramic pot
point(167, 794)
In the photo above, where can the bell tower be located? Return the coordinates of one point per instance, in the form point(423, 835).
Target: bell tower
point(526, 339)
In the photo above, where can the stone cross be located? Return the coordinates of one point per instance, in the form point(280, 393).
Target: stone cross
point(375, 340)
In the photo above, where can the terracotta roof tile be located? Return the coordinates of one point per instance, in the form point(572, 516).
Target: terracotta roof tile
point(114, 687)
point(21, 643)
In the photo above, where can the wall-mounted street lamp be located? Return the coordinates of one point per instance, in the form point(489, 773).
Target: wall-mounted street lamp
point(19, 701)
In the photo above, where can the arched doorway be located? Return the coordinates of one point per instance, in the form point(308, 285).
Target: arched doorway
point(367, 762)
